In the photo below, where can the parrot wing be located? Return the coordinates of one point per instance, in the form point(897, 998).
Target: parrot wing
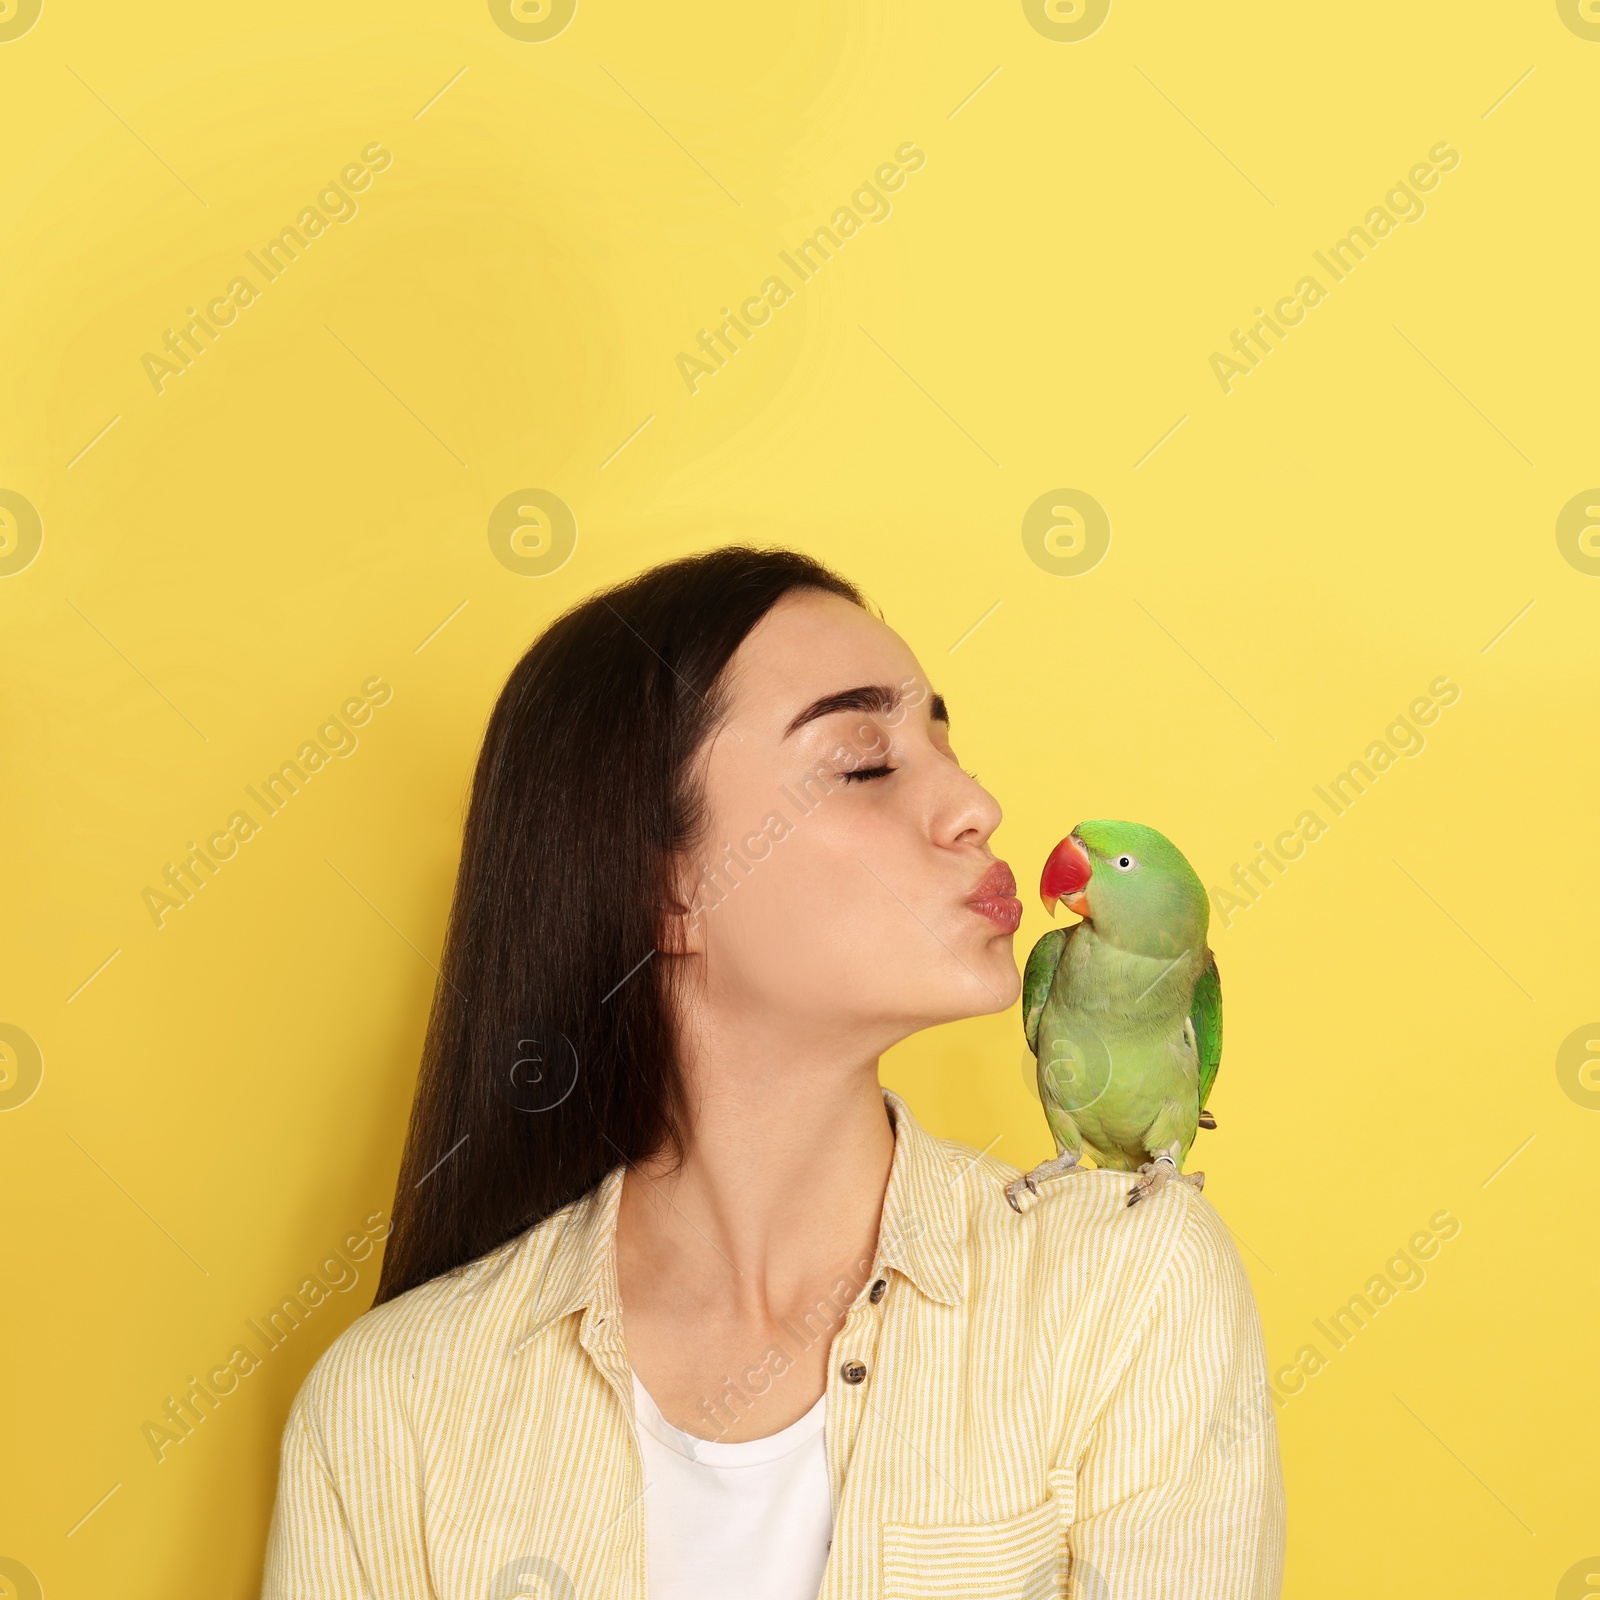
point(1040, 973)
point(1205, 1017)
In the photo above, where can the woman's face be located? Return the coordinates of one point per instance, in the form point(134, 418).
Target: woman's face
point(833, 892)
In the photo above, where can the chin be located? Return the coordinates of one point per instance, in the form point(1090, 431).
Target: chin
point(1006, 982)
point(995, 985)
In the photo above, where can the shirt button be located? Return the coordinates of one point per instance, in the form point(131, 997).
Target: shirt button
point(877, 1291)
point(853, 1371)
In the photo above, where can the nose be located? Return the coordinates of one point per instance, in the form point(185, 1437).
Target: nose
point(968, 813)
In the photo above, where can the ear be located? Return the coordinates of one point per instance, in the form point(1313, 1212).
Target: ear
point(681, 930)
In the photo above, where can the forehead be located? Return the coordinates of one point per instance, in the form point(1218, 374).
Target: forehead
point(810, 644)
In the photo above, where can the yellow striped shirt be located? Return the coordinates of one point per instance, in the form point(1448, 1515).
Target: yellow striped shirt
point(1073, 1401)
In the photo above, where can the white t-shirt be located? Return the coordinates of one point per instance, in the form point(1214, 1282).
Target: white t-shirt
point(747, 1521)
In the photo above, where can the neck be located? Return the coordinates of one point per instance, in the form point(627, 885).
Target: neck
point(787, 1158)
point(1103, 975)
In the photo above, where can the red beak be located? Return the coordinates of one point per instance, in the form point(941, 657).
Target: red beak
point(1066, 877)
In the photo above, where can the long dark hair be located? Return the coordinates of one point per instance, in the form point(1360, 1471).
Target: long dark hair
point(550, 1054)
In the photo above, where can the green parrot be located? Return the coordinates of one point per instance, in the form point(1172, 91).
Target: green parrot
point(1123, 1011)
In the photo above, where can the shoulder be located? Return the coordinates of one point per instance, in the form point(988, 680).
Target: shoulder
point(1080, 1245)
point(403, 1348)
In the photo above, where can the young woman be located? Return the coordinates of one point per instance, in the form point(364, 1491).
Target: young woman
point(680, 1302)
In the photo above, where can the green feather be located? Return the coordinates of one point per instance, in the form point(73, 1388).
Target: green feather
point(1124, 1016)
point(1043, 960)
point(1205, 1017)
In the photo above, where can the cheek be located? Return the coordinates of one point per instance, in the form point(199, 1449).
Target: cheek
point(808, 925)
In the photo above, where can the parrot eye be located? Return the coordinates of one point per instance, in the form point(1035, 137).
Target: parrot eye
point(1125, 863)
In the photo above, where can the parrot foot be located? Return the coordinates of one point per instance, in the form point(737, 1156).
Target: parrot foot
point(1155, 1175)
point(1058, 1167)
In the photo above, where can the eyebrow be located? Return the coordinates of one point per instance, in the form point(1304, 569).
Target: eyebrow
point(878, 699)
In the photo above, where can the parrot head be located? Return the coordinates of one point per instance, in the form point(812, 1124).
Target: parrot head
point(1132, 883)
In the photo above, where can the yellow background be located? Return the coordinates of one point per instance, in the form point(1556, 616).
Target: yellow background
point(305, 506)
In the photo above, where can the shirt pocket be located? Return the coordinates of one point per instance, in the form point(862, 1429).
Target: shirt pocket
point(1022, 1558)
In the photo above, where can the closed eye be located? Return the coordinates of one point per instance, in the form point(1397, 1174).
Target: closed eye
point(866, 774)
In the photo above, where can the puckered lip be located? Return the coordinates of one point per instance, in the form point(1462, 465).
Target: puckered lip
point(997, 883)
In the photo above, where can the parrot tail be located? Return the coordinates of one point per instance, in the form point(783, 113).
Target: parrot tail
point(1207, 1120)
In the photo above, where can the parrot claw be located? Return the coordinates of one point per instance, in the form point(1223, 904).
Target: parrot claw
point(1155, 1175)
point(1057, 1167)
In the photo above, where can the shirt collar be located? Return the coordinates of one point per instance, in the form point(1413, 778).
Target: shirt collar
point(580, 1273)
point(923, 1230)
point(921, 1234)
